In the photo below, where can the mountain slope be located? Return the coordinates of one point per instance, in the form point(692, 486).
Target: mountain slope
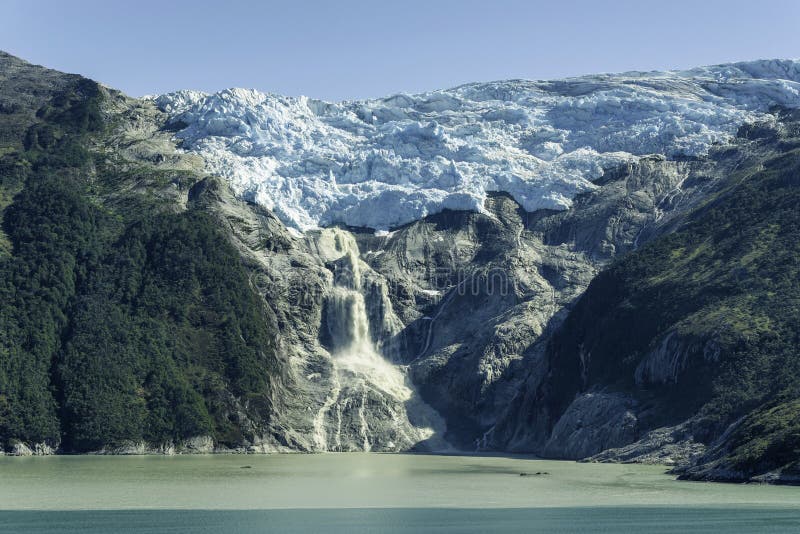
point(698, 328)
point(114, 329)
point(178, 274)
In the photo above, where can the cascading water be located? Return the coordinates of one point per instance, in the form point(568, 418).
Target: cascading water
point(372, 405)
point(348, 323)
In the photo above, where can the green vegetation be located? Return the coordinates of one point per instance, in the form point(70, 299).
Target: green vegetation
point(118, 326)
point(166, 326)
point(727, 287)
point(52, 230)
point(768, 439)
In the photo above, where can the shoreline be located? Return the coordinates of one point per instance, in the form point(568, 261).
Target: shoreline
point(191, 448)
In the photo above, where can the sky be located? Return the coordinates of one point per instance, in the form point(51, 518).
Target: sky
point(348, 49)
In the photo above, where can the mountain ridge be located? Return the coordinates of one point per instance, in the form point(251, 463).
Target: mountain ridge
point(386, 162)
point(153, 308)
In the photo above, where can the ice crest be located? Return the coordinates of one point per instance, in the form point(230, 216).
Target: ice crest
point(386, 162)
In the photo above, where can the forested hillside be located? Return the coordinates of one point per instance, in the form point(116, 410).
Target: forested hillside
point(121, 320)
point(703, 324)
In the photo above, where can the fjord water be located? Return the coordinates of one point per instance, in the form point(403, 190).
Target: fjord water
point(357, 492)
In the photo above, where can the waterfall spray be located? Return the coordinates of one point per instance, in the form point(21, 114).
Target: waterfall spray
point(372, 401)
point(348, 323)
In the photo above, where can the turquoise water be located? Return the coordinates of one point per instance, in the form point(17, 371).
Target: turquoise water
point(373, 493)
point(402, 520)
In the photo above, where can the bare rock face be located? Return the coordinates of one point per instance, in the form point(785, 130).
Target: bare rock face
point(662, 446)
point(625, 417)
point(21, 449)
point(199, 445)
point(593, 422)
point(459, 306)
point(18, 448)
point(344, 391)
point(670, 357)
point(194, 445)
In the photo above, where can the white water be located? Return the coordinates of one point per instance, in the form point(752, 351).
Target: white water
point(354, 352)
point(366, 384)
point(348, 322)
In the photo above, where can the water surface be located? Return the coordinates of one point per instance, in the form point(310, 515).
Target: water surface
point(373, 493)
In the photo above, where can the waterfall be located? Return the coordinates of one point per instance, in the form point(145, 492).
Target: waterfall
point(372, 405)
point(348, 324)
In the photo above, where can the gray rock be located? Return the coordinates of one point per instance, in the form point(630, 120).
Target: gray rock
point(20, 449)
point(198, 445)
point(664, 446)
point(592, 423)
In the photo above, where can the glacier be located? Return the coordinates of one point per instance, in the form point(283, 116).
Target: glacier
point(382, 163)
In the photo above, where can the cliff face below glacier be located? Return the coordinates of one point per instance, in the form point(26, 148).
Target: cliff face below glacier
point(458, 306)
point(466, 304)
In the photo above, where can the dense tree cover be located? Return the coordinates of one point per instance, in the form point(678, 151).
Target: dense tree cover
point(167, 327)
point(727, 286)
point(52, 229)
point(766, 439)
point(118, 328)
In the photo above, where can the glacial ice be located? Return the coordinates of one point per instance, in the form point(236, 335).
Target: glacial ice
point(386, 162)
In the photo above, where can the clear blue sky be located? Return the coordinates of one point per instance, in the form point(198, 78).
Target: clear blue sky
point(351, 49)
